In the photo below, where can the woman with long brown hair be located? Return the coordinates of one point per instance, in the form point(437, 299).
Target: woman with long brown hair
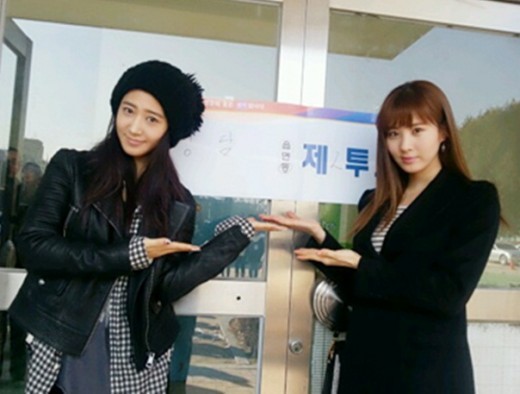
point(421, 242)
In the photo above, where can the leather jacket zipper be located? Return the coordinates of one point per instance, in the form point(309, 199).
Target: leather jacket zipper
point(150, 357)
point(149, 353)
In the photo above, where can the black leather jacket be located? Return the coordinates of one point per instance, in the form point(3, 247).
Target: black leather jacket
point(73, 261)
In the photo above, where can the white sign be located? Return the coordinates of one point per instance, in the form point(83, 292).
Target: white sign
point(279, 151)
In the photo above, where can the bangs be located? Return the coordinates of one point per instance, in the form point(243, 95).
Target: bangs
point(399, 110)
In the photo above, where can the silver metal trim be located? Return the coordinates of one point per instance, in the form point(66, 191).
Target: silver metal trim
point(236, 298)
point(278, 295)
point(315, 53)
point(290, 57)
point(3, 12)
point(300, 314)
point(240, 298)
point(10, 281)
point(21, 45)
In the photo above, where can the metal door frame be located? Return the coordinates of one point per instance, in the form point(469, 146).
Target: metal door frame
point(21, 45)
point(302, 61)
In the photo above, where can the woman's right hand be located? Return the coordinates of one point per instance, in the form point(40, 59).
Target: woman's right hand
point(158, 247)
point(294, 222)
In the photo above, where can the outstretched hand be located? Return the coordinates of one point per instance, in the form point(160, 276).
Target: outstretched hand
point(294, 222)
point(265, 226)
point(338, 258)
point(158, 247)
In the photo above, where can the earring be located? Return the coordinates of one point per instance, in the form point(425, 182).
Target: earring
point(443, 146)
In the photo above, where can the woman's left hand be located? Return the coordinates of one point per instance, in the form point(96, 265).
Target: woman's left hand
point(338, 258)
point(265, 226)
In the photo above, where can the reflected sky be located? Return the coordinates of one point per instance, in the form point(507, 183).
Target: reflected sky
point(74, 69)
point(476, 70)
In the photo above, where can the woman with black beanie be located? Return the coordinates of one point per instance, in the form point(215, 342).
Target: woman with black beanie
point(107, 247)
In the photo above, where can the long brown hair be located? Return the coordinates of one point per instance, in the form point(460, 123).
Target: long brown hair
point(428, 102)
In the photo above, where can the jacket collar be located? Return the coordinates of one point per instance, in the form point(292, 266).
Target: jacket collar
point(178, 214)
point(436, 197)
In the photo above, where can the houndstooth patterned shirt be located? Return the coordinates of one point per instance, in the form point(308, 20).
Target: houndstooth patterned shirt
point(45, 361)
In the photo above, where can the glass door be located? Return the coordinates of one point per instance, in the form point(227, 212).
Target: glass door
point(232, 48)
point(14, 184)
point(250, 329)
point(368, 55)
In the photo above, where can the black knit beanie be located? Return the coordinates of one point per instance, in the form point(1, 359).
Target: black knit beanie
point(179, 94)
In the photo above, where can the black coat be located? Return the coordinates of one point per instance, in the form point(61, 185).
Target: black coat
point(73, 260)
point(407, 330)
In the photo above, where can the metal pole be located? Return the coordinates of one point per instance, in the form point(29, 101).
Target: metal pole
point(3, 12)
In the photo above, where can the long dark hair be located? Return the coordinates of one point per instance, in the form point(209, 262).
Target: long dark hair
point(428, 102)
point(112, 173)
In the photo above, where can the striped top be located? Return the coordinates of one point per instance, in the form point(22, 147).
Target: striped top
point(379, 234)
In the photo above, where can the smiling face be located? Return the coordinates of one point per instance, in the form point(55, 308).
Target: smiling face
point(415, 148)
point(140, 124)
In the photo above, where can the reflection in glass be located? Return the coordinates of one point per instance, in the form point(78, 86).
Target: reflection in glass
point(503, 267)
point(224, 355)
point(105, 53)
point(250, 264)
point(220, 353)
point(16, 191)
point(497, 159)
point(383, 53)
point(368, 56)
point(67, 107)
point(7, 82)
point(337, 219)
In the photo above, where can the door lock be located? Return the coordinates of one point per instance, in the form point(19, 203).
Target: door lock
point(296, 346)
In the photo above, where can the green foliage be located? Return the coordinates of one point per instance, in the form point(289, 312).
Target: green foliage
point(330, 218)
point(491, 143)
